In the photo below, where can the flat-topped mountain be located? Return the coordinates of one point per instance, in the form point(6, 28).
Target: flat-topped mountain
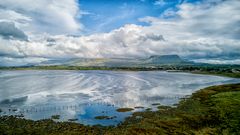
point(165, 59)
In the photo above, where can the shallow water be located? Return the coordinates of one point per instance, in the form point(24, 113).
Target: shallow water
point(82, 95)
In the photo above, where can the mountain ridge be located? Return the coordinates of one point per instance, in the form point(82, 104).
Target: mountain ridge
point(121, 62)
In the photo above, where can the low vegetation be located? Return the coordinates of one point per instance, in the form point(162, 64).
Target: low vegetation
point(56, 117)
point(74, 119)
point(213, 110)
point(139, 107)
point(221, 70)
point(105, 117)
point(155, 104)
point(124, 109)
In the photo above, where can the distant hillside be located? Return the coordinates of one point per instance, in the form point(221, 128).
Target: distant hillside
point(120, 62)
point(108, 62)
point(165, 59)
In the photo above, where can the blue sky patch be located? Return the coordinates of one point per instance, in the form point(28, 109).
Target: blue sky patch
point(106, 15)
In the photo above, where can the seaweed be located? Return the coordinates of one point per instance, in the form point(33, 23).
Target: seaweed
point(105, 117)
point(124, 109)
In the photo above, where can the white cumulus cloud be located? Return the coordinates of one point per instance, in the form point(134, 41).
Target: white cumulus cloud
point(49, 16)
point(204, 30)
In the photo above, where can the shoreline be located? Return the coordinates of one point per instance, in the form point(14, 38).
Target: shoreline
point(205, 69)
point(231, 75)
point(187, 110)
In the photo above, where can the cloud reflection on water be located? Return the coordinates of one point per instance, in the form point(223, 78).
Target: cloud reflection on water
point(81, 94)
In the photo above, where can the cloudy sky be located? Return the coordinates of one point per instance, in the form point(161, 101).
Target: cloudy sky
point(201, 30)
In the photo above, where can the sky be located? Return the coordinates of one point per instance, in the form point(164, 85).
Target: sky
point(44, 30)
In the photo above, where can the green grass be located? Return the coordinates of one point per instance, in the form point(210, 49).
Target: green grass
point(213, 110)
point(229, 101)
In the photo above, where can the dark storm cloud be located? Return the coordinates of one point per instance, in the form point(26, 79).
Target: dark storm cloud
point(8, 30)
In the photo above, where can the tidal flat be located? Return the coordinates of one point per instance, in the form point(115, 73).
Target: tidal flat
point(212, 110)
point(83, 96)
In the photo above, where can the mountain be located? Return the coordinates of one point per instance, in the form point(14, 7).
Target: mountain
point(165, 59)
point(120, 62)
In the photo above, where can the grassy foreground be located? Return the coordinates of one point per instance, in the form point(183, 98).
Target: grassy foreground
point(213, 110)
